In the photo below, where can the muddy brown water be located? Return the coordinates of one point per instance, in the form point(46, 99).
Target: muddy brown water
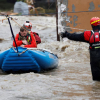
point(71, 80)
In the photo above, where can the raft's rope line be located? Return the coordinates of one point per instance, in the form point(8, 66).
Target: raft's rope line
point(19, 25)
point(15, 22)
point(19, 53)
point(43, 50)
point(53, 26)
point(22, 52)
point(14, 49)
point(50, 26)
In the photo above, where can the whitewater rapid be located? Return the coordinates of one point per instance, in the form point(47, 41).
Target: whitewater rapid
point(71, 80)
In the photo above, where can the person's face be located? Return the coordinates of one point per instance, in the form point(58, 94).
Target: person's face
point(24, 33)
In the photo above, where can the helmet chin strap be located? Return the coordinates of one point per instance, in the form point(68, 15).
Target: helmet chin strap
point(95, 27)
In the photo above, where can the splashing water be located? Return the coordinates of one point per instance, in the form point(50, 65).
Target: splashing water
point(71, 80)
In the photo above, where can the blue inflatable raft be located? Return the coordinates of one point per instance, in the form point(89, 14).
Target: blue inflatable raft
point(27, 60)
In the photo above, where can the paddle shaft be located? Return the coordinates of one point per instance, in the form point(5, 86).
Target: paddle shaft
point(12, 34)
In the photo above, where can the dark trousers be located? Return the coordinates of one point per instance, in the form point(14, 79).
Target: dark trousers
point(95, 69)
point(95, 64)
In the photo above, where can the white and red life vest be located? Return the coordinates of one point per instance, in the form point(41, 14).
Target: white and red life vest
point(94, 39)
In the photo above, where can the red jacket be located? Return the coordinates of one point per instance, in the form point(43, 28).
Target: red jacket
point(86, 36)
point(38, 40)
point(83, 37)
point(19, 42)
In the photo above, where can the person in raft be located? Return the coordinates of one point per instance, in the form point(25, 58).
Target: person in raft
point(93, 38)
point(28, 25)
point(24, 39)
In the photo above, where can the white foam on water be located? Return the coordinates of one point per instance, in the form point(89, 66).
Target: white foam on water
point(71, 80)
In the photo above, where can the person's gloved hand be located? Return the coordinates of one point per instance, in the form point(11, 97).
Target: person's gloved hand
point(63, 34)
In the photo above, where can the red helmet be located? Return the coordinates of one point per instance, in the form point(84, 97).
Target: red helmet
point(28, 24)
point(95, 21)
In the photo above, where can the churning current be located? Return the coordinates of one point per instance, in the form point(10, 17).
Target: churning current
point(72, 79)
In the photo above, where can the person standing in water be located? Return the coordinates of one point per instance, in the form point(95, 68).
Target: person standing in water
point(93, 38)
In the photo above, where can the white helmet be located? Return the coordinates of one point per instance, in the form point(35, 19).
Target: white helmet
point(28, 24)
